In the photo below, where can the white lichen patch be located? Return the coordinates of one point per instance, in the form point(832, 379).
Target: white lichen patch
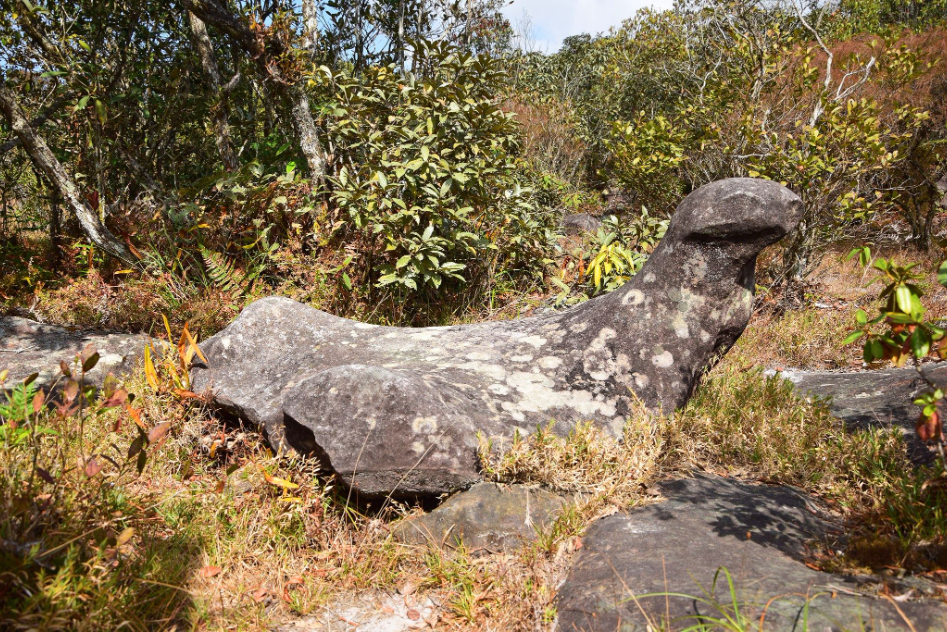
point(550, 362)
point(598, 361)
point(535, 341)
point(663, 360)
point(578, 328)
point(426, 425)
point(521, 358)
point(633, 297)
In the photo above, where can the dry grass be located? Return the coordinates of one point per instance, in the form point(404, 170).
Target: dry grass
point(810, 336)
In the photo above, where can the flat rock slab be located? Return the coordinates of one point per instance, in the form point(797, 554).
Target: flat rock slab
point(28, 347)
point(759, 533)
point(880, 399)
point(486, 518)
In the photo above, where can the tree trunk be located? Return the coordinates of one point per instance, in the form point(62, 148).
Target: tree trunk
point(220, 110)
point(54, 230)
point(267, 56)
point(46, 162)
point(311, 26)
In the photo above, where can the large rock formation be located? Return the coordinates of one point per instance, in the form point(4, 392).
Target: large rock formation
point(394, 410)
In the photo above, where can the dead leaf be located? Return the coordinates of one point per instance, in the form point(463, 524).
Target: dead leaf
point(210, 571)
point(408, 588)
point(125, 536)
point(46, 476)
point(413, 614)
point(92, 467)
point(158, 432)
point(38, 400)
point(260, 594)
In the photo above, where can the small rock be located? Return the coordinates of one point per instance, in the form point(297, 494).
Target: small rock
point(487, 517)
point(578, 223)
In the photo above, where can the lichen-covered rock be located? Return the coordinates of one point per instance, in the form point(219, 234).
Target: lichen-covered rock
point(396, 410)
point(660, 562)
point(28, 347)
point(487, 517)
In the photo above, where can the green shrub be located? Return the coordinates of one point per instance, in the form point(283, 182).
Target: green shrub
point(429, 178)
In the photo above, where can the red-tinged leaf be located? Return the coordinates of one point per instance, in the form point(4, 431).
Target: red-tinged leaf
point(85, 356)
point(71, 391)
point(38, 400)
point(92, 467)
point(185, 394)
point(159, 432)
point(210, 571)
point(118, 398)
point(413, 614)
point(142, 460)
point(64, 368)
point(46, 476)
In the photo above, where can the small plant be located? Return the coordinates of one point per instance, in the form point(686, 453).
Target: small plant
point(900, 331)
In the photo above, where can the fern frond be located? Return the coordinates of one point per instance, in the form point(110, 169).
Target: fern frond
point(224, 273)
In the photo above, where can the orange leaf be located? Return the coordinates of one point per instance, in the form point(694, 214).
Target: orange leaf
point(210, 571)
point(185, 394)
point(38, 400)
point(194, 346)
point(136, 417)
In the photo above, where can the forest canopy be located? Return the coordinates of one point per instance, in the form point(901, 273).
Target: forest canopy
point(408, 160)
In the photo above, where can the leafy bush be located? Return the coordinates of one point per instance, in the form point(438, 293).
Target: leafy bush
point(428, 173)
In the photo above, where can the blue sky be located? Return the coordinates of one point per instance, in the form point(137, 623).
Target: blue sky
point(553, 20)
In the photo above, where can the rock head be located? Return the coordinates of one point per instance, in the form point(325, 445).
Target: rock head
point(397, 410)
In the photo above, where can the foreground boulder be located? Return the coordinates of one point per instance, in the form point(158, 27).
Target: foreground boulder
point(395, 410)
point(657, 565)
point(875, 399)
point(28, 347)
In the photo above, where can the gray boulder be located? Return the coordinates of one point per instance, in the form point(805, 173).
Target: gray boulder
point(875, 399)
point(487, 517)
point(657, 565)
point(397, 411)
point(578, 223)
point(28, 347)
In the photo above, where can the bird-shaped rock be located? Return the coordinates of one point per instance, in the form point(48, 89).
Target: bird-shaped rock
point(397, 410)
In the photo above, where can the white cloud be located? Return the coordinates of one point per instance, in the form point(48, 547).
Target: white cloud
point(554, 20)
